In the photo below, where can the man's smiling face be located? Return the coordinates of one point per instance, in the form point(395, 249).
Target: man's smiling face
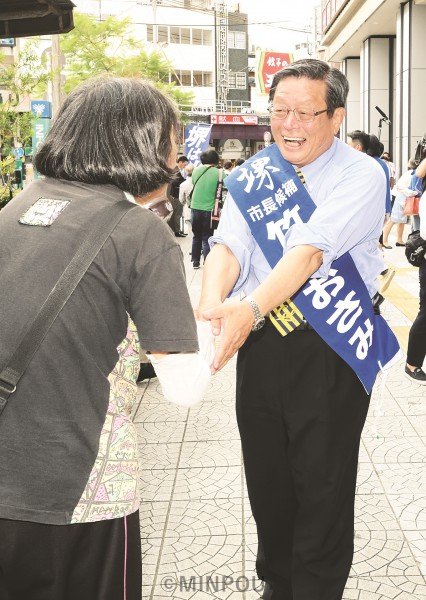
point(301, 143)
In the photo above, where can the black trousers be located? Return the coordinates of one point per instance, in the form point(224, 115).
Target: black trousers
point(416, 350)
point(300, 412)
point(201, 229)
point(174, 221)
point(90, 561)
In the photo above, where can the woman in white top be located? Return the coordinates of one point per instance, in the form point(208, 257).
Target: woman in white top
point(397, 216)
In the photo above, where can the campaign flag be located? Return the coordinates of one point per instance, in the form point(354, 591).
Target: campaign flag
point(267, 64)
point(197, 139)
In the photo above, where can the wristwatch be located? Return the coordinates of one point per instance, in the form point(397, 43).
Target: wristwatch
point(259, 320)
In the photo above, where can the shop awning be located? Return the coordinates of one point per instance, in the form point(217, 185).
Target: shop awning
point(25, 18)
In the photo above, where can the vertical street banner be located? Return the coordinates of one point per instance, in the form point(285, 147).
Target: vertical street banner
point(267, 64)
point(197, 140)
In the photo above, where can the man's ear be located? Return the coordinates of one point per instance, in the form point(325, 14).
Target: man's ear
point(338, 117)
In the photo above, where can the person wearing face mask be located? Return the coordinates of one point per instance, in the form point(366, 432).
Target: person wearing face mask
point(298, 240)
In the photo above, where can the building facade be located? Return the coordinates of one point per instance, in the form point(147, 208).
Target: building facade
point(381, 47)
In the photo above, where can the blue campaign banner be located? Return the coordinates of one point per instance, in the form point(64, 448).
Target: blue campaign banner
point(271, 197)
point(41, 108)
point(197, 140)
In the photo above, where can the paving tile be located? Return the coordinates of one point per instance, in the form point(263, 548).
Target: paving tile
point(151, 392)
point(367, 480)
point(363, 456)
point(160, 456)
point(150, 553)
point(410, 510)
point(384, 406)
point(380, 553)
point(391, 588)
point(201, 556)
point(213, 424)
point(393, 315)
point(402, 478)
point(388, 427)
point(160, 432)
point(417, 543)
point(157, 484)
point(413, 406)
point(205, 517)
point(208, 482)
point(216, 453)
point(396, 450)
point(207, 411)
point(249, 524)
point(160, 412)
point(146, 591)
point(374, 513)
point(153, 517)
point(402, 387)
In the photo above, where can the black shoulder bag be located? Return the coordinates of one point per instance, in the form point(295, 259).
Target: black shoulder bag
point(415, 249)
point(98, 231)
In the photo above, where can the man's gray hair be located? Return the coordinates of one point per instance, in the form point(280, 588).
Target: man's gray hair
point(317, 70)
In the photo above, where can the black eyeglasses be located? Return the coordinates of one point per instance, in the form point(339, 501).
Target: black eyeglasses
point(304, 116)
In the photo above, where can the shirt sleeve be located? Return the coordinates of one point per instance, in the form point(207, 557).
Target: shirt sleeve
point(159, 300)
point(352, 213)
point(234, 233)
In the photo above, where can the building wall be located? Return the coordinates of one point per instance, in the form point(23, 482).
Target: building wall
point(377, 83)
point(351, 68)
point(389, 38)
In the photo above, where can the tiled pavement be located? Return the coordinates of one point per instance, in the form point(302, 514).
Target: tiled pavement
point(198, 535)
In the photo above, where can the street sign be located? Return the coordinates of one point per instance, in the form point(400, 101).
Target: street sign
point(234, 119)
point(41, 108)
point(40, 130)
point(18, 152)
point(268, 63)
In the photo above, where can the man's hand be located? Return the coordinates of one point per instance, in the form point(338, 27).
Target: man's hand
point(235, 320)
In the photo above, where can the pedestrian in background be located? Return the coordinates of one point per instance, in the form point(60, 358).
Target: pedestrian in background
point(392, 169)
point(358, 140)
point(69, 474)
point(175, 221)
point(185, 190)
point(416, 351)
point(205, 179)
point(227, 166)
point(398, 217)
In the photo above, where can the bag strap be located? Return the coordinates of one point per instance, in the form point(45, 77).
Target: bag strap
point(203, 173)
point(98, 231)
point(218, 193)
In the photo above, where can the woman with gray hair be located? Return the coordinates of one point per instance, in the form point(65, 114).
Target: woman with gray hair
point(69, 499)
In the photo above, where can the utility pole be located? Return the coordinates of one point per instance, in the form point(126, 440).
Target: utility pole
point(56, 80)
point(154, 24)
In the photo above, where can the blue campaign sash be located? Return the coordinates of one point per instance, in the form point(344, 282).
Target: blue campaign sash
point(271, 197)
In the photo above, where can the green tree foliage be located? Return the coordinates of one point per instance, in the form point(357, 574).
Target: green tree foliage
point(99, 47)
point(26, 77)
